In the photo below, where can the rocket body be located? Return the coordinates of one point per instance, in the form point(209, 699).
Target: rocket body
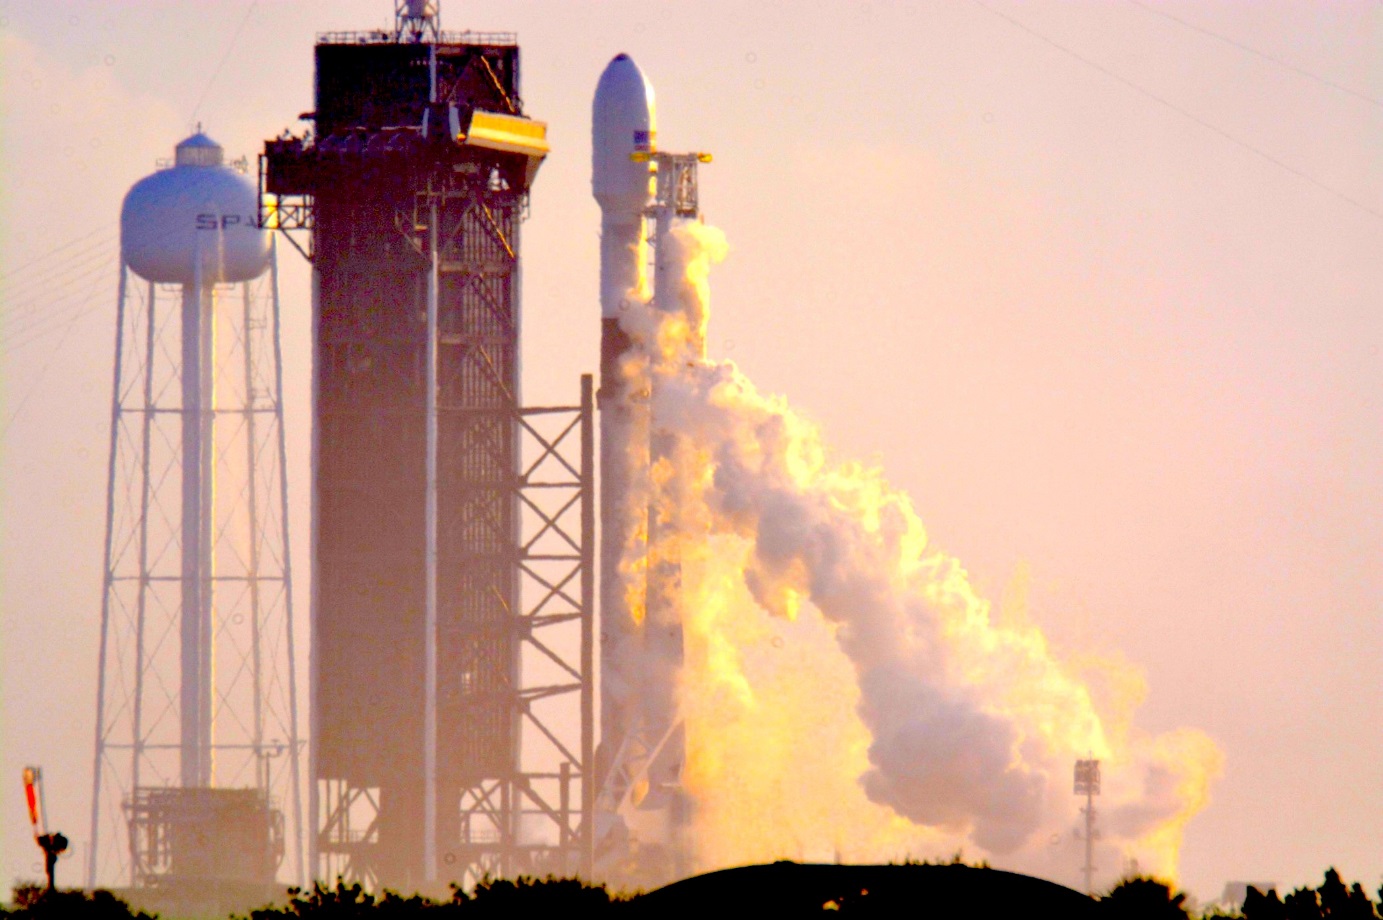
point(641, 749)
point(622, 123)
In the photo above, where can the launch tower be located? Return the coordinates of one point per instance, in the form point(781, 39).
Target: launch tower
point(452, 702)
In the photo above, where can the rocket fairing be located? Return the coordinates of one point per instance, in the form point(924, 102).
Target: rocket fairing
point(623, 123)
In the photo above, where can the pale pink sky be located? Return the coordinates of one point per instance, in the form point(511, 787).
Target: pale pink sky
point(1100, 288)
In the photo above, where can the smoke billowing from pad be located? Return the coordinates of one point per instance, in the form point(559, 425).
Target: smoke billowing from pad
point(846, 692)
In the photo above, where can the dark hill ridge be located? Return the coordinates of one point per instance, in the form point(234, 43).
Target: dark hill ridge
point(787, 889)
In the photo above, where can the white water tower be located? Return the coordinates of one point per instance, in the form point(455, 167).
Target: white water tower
point(196, 763)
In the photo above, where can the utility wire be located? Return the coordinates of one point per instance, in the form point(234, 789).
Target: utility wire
point(249, 11)
point(1254, 51)
point(1305, 177)
point(30, 300)
point(52, 252)
point(23, 339)
point(19, 295)
point(37, 379)
point(42, 310)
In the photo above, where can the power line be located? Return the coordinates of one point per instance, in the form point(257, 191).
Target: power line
point(18, 293)
point(41, 309)
point(224, 58)
point(75, 312)
point(1254, 51)
point(37, 379)
point(1305, 177)
point(52, 252)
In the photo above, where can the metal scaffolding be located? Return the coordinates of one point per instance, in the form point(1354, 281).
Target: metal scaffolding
point(1087, 783)
point(531, 819)
point(452, 534)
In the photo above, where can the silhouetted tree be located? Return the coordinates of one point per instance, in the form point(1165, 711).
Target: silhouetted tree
point(1333, 895)
point(531, 897)
point(1143, 898)
point(1133, 899)
point(1260, 906)
point(1332, 901)
point(344, 902)
point(1339, 902)
point(502, 898)
point(1303, 904)
point(36, 903)
point(1360, 906)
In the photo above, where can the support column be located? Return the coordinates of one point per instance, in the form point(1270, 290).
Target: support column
point(107, 576)
point(302, 873)
point(430, 525)
point(194, 696)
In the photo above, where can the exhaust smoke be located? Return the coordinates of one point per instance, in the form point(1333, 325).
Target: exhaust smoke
point(845, 691)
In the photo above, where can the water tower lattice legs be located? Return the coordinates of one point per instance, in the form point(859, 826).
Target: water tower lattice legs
point(197, 672)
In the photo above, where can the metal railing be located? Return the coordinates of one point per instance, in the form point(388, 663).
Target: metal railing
point(385, 36)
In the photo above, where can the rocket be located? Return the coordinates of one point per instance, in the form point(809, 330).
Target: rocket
point(641, 806)
point(644, 193)
point(623, 124)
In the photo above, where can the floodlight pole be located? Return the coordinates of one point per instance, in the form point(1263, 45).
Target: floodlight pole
point(1087, 783)
point(1089, 842)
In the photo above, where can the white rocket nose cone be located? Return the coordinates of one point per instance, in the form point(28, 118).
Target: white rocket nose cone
point(622, 121)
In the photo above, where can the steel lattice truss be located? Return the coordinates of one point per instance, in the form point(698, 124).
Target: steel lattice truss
point(532, 819)
point(255, 741)
point(514, 542)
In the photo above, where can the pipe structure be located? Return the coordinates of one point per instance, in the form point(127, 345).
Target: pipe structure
point(430, 567)
point(198, 337)
point(674, 201)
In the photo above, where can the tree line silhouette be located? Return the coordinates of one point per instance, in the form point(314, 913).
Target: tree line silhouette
point(1140, 898)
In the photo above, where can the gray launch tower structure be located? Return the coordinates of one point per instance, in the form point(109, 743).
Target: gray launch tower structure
point(453, 531)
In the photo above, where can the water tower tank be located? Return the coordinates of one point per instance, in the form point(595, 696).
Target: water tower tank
point(198, 209)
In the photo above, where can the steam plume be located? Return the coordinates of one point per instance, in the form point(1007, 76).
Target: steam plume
point(845, 688)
